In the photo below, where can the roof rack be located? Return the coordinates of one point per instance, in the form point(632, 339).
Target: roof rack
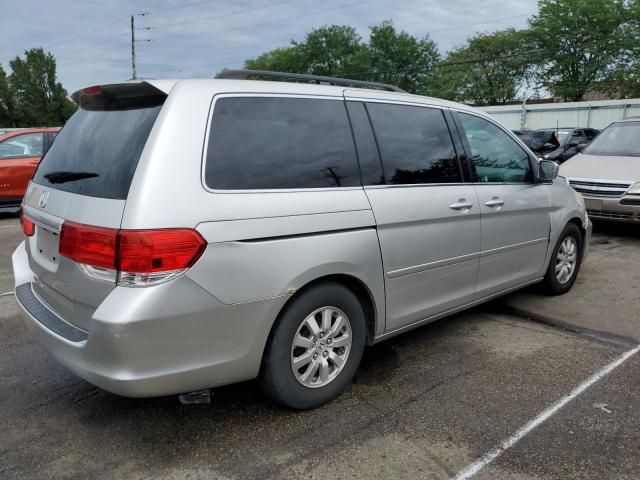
point(246, 74)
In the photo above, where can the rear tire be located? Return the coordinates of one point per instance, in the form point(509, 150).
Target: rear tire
point(565, 261)
point(315, 347)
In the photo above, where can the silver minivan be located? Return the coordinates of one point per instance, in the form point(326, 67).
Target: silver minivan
point(186, 234)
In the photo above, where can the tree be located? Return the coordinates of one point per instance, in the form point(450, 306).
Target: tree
point(335, 50)
point(624, 79)
point(490, 69)
point(6, 101)
point(39, 100)
point(402, 59)
point(286, 59)
point(331, 50)
point(339, 51)
point(577, 43)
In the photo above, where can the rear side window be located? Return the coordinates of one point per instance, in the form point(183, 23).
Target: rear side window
point(270, 143)
point(415, 144)
point(97, 151)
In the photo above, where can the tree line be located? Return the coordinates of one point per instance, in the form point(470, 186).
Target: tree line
point(570, 48)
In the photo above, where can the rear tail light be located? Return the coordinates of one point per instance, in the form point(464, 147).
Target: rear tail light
point(94, 246)
point(137, 257)
point(28, 227)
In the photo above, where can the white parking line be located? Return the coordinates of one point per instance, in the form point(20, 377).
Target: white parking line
point(489, 457)
point(10, 226)
point(6, 294)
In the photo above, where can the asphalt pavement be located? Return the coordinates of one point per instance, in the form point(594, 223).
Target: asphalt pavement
point(427, 404)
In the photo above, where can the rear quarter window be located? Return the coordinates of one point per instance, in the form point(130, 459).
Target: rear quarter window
point(280, 143)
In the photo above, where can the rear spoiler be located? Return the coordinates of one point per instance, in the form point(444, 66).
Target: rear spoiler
point(94, 96)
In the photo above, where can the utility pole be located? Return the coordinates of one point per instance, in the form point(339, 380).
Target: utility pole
point(133, 51)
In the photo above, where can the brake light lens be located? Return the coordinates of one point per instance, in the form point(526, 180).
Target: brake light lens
point(94, 90)
point(28, 227)
point(149, 251)
point(136, 257)
point(94, 246)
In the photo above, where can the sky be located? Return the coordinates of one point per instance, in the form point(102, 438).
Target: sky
point(91, 39)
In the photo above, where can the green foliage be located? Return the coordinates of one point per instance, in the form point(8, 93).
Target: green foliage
point(333, 50)
point(339, 51)
point(577, 43)
point(401, 59)
point(6, 100)
point(624, 79)
point(38, 99)
point(490, 69)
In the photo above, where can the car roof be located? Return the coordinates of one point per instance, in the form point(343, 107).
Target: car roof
point(265, 86)
point(628, 119)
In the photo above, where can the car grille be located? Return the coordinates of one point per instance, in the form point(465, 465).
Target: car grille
point(608, 214)
point(600, 188)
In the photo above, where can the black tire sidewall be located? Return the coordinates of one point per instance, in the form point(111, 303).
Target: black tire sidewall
point(277, 378)
point(553, 286)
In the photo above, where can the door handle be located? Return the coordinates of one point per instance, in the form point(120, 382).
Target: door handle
point(495, 202)
point(462, 204)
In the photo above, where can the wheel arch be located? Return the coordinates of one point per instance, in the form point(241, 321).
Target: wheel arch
point(356, 285)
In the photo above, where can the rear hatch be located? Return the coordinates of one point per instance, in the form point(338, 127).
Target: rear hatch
point(85, 178)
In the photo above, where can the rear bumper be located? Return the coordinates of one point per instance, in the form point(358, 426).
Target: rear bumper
point(613, 209)
point(145, 342)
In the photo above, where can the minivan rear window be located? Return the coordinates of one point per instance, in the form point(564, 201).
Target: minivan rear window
point(97, 151)
point(274, 143)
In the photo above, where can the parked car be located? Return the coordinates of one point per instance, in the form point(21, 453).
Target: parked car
point(20, 152)
point(568, 141)
point(541, 142)
point(185, 234)
point(607, 173)
point(557, 144)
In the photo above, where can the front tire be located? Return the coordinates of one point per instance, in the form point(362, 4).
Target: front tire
point(315, 348)
point(565, 261)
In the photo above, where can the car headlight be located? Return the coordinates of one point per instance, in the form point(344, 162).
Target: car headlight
point(563, 179)
point(635, 190)
point(580, 199)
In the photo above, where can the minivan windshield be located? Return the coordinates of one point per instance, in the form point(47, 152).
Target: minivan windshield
point(97, 151)
point(622, 139)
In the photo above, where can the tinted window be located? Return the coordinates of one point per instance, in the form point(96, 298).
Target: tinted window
point(415, 144)
point(27, 145)
point(496, 156)
point(97, 151)
point(368, 156)
point(264, 143)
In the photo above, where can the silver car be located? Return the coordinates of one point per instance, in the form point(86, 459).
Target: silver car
point(607, 173)
point(186, 234)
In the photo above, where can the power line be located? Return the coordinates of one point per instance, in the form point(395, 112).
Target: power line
point(339, 7)
point(168, 9)
point(427, 33)
point(216, 17)
point(478, 23)
point(90, 47)
point(89, 32)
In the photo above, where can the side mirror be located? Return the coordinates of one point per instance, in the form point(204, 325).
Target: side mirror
point(547, 170)
point(581, 147)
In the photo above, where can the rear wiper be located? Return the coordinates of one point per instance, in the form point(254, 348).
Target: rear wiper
point(68, 176)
